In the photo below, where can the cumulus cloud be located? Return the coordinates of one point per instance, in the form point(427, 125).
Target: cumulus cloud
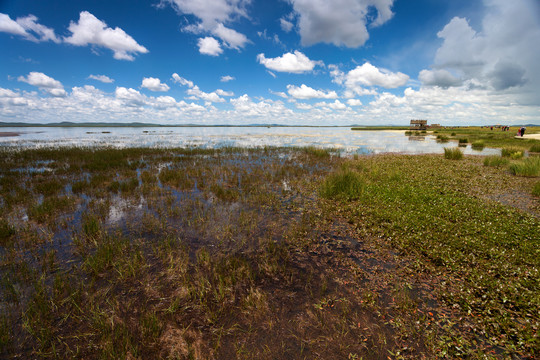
point(227, 78)
point(195, 93)
point(92, 31)
point(336, 105)
point(339, 22)
point(266, 109)
point(354, 102)
point(44, 82)
point(295, 62)
point(102, 78)
point(501, 54)
point(154, 84)
point(212, 15)
point(305, 92)
point(442, 78)
point(209, 46)
point(180, 80)
point(369, 75)
point(28, 28)
point(232, 38)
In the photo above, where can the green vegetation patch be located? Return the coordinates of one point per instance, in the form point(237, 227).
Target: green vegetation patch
point(527, 167)
point(453, 153)
point(488, 254)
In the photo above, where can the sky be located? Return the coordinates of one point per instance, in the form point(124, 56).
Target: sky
point(290, 62)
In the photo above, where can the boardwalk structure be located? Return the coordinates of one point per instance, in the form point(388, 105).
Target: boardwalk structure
point(418, 125)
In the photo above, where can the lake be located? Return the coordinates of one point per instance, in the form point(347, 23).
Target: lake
point(342, 138)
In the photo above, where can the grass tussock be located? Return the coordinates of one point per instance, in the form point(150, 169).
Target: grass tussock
point(478, 145)
point(345, 184)
point(535, 148)
point(453, 153)
point(495, 161)
point(527, 167)
point(512, 152)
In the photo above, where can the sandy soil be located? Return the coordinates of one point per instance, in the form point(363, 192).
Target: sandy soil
point(529, 136)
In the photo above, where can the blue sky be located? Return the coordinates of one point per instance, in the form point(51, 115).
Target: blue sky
point(310, 62)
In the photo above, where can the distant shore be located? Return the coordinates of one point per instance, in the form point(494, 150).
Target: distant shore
point(8, 133)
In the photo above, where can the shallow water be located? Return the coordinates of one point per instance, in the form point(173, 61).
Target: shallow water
point(343, 138)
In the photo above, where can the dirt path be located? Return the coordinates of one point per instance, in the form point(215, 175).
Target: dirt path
point(529, 136)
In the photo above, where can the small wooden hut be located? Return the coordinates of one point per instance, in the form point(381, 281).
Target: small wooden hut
point(418, 125)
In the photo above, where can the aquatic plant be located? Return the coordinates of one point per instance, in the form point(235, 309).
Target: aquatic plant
point(495, 161)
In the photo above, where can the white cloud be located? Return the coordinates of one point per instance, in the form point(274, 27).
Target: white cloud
point(339, 22)
point(102, 78)
point(227, 78)
point(130, 97)
point(10, 26)
point(178, 79)
point(369, 75)
point(336, 105)
point(25, 26)
point(289, 62)
point(44, 82)
point(286, 25)
point(196, 93)
point(232, 38)
point(305, 92)
point(92, 31)
point(154, 84)
point(209, 46)
point(502, 54)
point(224, 93)
point(265, 109)
point(354, 102)
point(213, 14)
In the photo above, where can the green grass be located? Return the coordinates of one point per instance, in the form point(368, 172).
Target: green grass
point(453, 153)
point(495, 161)
point(488, 249)
point(345, 184)
point(527, 167)
point(536, 189)
point(6, 231)
point(535, 148)
point(463, 140)
point(478, 145)
point(493, 138)
point(512, 152)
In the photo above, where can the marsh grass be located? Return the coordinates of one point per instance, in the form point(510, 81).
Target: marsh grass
point(535, 148)
point(346, 184)
point(536, 189)
point(442, 138)
point(238, 253)
point(478, 145)
point(495, 161)
point(512, 152)
point(527, 167)
point(453, 153)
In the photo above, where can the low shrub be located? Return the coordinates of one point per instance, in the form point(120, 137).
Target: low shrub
point(463, 140)
point(453, 154)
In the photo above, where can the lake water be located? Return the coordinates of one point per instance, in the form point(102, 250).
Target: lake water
point(343, 138)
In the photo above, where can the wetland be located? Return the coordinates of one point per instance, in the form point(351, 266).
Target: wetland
point(267, 252)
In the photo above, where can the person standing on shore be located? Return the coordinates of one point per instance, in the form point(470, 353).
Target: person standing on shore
point(522, 131)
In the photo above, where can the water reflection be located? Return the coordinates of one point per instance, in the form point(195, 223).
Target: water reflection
point(343, 138)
